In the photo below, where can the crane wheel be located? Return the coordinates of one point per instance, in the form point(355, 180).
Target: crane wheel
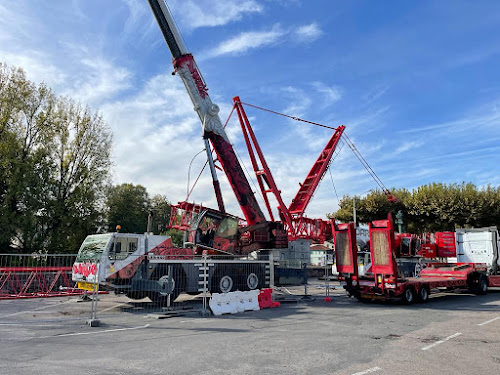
point(253, 279)
point(165, 288)
point(223, 281)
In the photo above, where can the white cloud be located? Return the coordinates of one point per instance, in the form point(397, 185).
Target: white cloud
point(97, 80)
point(308, 33)
point(201, 13)
point(37, 65)
point(331, 94)
point(407, 146)
point(484, 117)
point(247, 41)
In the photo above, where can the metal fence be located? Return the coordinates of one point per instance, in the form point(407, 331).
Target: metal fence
point(174, 283)
point(152, 283)
point(36, 275)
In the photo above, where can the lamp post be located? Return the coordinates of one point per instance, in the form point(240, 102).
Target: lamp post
point(354, 211)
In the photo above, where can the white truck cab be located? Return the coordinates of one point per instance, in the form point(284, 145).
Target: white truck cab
point(479, 245)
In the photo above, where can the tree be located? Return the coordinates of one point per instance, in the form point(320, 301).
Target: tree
point(128, 207)
point(432, 207)
point(160, 209)
point(54, 162)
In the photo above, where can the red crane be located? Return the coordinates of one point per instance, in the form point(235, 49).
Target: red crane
point(260, 233)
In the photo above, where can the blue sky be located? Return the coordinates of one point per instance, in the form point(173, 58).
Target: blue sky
point(416, 83)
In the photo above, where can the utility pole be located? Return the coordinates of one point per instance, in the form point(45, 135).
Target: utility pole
point(354, 211)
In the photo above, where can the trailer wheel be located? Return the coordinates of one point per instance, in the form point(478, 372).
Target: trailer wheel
point(423, 293)
point(409, 296)
point(478, 284)
point(482, 285)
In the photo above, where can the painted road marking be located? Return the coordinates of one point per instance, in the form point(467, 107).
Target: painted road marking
point(370, 370)
point(94, 333)
point(489, 321)
point(441, 341)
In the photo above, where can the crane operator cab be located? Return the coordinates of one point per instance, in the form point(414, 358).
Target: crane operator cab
point(212, 230)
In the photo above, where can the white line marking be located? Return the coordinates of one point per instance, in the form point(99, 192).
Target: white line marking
point(489, 321)
point(441, 341)
point(370, 370)
point(94, 333)
point(112, 307)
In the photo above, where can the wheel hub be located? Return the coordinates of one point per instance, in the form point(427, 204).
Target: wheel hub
point(166, 286)
point(226, 284)
point(252, 281)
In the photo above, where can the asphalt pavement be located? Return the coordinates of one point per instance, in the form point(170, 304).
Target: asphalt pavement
point(453, 333)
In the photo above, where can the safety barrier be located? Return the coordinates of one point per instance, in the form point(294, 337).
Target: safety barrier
point(234, 302)
point(36, 275)
point(266, 299)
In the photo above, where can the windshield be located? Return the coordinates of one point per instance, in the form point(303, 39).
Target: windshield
point(93, 246)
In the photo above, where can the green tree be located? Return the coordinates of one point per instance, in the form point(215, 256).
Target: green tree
point(54, 161)
point(432, 207)
point(160, 209)
point(128, 207)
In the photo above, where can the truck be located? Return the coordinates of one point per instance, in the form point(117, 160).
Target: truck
point(475, 270)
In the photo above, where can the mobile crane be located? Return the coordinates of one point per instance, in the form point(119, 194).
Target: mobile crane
point(259, 233)
point(123, 257)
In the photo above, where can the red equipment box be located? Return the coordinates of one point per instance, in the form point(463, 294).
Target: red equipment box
point(445, 244)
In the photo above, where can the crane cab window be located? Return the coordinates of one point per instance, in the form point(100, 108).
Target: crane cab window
point(207, 227)
point(123, 247)
point(228, 228)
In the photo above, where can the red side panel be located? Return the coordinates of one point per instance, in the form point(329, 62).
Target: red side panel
point(494, 280)
point(445, 244)
point(382, 247)
point(346, 253)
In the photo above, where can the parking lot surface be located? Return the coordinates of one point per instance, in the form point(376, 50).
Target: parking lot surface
point(454, 333)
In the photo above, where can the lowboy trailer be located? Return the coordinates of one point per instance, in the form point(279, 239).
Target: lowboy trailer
point(386, 282)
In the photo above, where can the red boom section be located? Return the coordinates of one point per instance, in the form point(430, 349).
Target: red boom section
point(263, 173)
point(34, 282)
point(318, 170)
point(237, 179)
point(346, 252)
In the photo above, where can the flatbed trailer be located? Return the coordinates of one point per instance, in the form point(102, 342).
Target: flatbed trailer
point(385, 282)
